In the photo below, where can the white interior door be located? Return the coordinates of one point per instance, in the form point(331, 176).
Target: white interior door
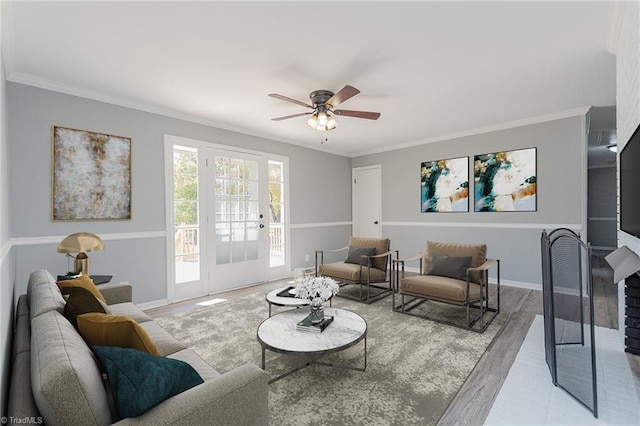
point(238, 240)
point(367, 202)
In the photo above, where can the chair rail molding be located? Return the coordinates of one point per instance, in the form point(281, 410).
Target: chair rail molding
point(572, 226)
point(32, 241)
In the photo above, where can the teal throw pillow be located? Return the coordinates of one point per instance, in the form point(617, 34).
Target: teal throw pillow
point(139, 381)
point(449, 266)
point(354, 254)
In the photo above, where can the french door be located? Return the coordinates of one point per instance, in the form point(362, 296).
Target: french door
point(238, 227)
point(226, 218)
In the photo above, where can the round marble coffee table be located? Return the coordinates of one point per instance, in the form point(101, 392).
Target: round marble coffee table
point(284, 301)
point(279, 334)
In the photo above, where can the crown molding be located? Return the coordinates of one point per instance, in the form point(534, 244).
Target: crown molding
point(480, 130)
point(68, 89)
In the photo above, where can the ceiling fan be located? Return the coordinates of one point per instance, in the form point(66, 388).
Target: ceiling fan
point(322, 107)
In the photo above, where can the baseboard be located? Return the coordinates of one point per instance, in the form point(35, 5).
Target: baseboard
point(153, 304)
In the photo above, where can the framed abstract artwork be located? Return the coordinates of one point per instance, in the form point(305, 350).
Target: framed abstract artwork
point(444, 185)
point(91, 175)
point(505, 181)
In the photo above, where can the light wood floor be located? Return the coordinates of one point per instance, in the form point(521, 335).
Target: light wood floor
point(474, 400)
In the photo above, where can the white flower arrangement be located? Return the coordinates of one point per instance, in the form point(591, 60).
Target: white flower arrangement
point(317, 289)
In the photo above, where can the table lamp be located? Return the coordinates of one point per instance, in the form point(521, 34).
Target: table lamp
point(80, 242)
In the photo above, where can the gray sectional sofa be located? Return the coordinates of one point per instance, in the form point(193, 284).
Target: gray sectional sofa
point(55, 379)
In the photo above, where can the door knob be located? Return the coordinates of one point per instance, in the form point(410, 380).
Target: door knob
point(375, 223)
point(261, 226)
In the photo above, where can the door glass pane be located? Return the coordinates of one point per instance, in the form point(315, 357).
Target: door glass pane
point(237, 231)
point(252, 251)
point(222, 188)
point(222, 211)
point(186, 213)
point(222, 167)
point(237, 253)
point(223, 232)
point(223, 255)
point(276, 219)
point(252, 231)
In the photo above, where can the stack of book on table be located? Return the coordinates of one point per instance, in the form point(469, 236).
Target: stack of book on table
point(307, 325)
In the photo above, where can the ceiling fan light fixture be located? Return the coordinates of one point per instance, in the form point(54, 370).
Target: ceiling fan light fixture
point(322, 118)
point(331, 123)
point(313, 121)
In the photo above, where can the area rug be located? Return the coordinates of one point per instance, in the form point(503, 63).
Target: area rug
point(414, 366)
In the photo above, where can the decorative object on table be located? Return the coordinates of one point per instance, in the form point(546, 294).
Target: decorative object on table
point(444, 185)
point(287, 292)
point(317, 290)
point(505, 181)
point(91, 175)
point(314, 327)
point(80, 242)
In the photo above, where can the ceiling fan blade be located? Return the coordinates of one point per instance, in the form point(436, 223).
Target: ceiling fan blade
point(358, 114)
point(347, 92)
point(284, 98)
point(290, 116)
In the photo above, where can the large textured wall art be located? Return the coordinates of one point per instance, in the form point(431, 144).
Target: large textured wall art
point(91, 175)
point(505, 181)
point(445, 185)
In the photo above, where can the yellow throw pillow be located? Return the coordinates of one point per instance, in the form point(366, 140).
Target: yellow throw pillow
point(115, 330)
point(82, 281)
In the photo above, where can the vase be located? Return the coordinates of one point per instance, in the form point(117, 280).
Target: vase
point(316, 312)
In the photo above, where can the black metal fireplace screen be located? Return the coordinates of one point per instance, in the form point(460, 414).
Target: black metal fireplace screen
point(567, 289)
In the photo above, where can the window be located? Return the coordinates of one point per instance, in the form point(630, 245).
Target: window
point(186, 214)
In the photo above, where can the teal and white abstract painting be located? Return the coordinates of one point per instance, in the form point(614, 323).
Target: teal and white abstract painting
point(505, 181)
point(445, 185)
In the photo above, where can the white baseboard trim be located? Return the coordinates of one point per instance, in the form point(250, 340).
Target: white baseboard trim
point(33, 241)
point(153, 304)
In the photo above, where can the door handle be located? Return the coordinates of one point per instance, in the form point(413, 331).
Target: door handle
point(375, 223)
point(261, 226)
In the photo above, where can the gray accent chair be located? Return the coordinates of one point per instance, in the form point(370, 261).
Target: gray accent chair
point(370, 272)
point(434, 282)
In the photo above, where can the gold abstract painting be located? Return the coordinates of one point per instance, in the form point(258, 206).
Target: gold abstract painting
point(91, 175)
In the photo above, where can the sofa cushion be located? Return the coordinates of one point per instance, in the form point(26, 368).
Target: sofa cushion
point(478, 253)
point(65, 379)
point(350, 272)
point(205, 371)
point(449, 266)
point(81, 301)
point(43, 294)
point(115, 330)
point(354, 254)
point(82, 281)
point(129, 309)
point(166, 343)
point(439, 288)
point(140, 381)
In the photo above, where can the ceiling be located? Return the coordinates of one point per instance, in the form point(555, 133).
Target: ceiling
point(433, 69)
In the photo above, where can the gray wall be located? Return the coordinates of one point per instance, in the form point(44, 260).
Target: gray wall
point(319, 190)
point(513, 237)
